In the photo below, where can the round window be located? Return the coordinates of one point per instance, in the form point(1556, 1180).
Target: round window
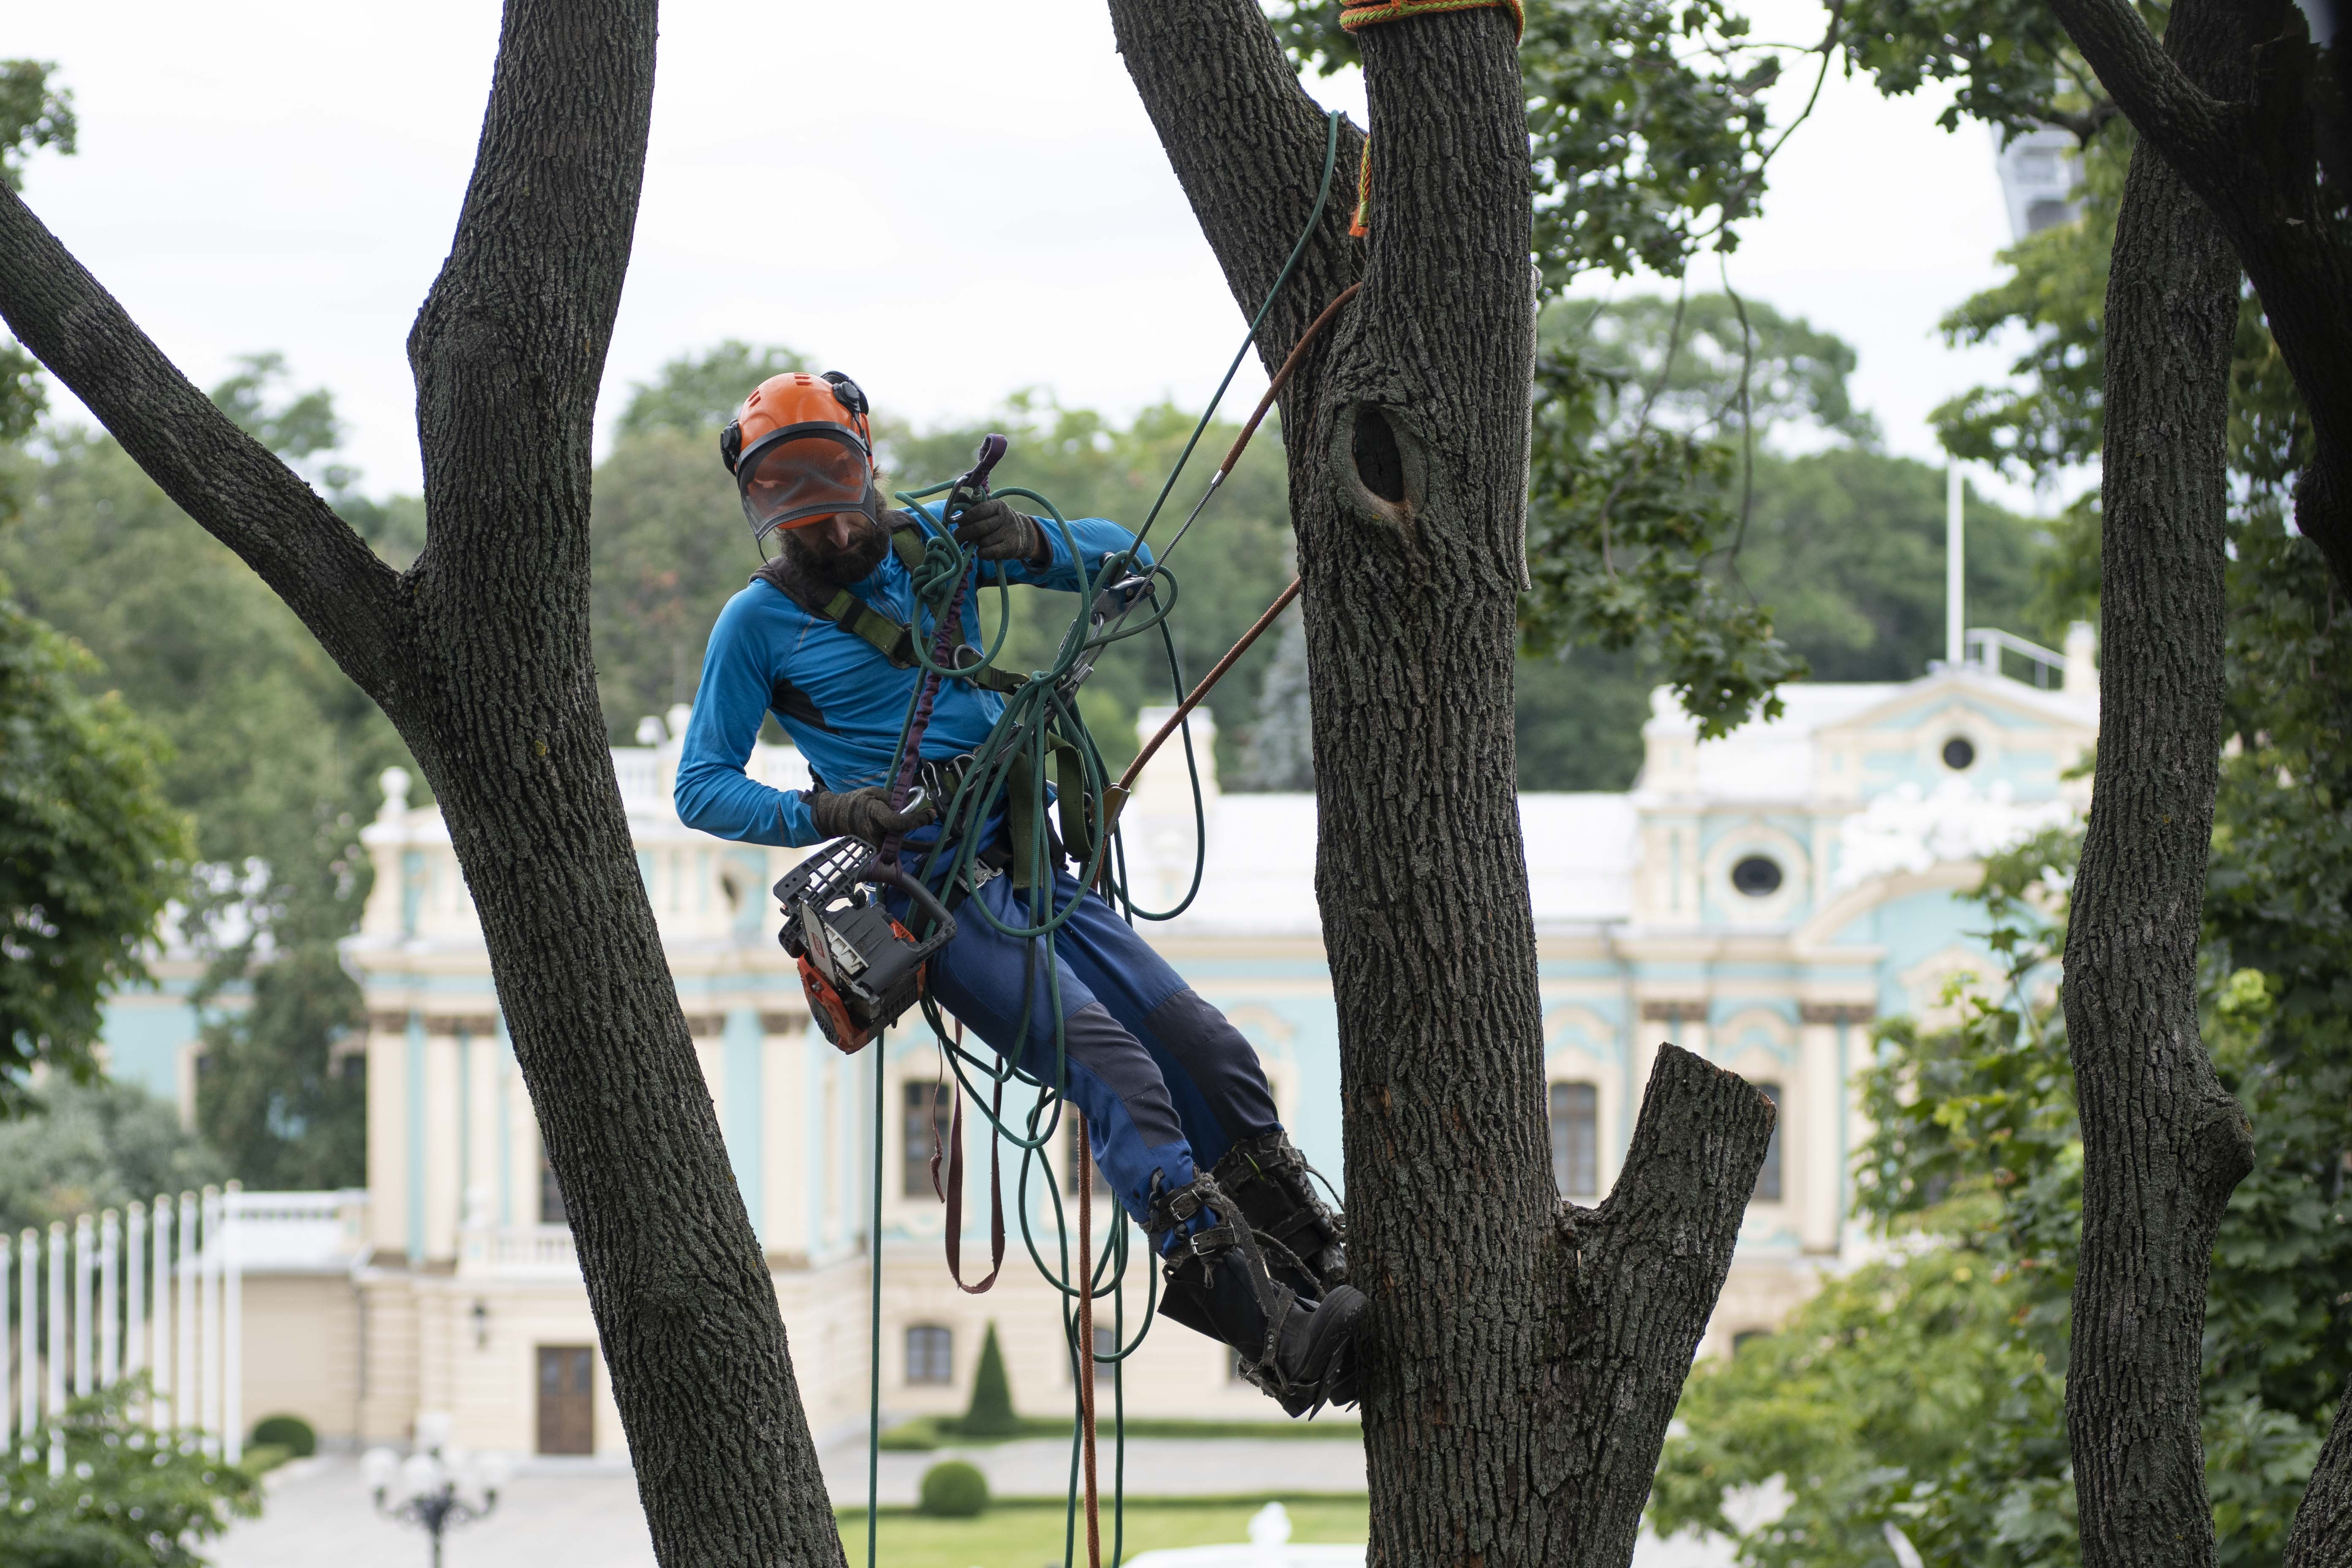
point(1758, 876)
point(1959, 753)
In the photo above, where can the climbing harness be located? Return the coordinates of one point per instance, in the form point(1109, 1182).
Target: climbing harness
point(862, 968)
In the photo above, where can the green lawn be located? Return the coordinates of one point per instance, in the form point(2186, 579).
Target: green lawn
point(924, 1434)
point(1029, 1535)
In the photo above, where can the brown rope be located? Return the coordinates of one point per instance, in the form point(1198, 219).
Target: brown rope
point(1282, 377)
point(1282, 601)
point(1086, 1170)
point(1217, 673)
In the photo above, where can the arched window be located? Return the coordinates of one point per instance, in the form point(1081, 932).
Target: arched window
point(1768, 1180)
point(1576, 1140)
point(931, 1353)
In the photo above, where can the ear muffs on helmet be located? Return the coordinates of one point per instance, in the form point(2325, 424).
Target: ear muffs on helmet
point(848, 394)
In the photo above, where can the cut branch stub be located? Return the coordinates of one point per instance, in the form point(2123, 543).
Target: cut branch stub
point(1638, 1279)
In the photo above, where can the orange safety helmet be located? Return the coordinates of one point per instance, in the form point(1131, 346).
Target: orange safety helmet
point(801, 448)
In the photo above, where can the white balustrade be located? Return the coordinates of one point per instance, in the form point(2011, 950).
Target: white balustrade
point(94, 1302)
point(544, 1250)
point(2046, 668)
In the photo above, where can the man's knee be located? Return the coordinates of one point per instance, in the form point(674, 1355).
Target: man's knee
point(1195, 1032)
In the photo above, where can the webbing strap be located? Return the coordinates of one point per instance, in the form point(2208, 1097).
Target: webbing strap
point(893, 638)
point(952, 1194)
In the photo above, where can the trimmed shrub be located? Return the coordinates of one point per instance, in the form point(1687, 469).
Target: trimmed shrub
point(290, 1433)
point(991, 1414)
point(953, 1490)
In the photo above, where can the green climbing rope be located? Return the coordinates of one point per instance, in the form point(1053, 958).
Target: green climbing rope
point(1040, 758)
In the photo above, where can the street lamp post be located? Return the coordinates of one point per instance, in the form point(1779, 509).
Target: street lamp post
point(434, 1487)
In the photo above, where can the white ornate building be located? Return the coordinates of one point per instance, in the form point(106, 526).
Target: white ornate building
point(1760, 900)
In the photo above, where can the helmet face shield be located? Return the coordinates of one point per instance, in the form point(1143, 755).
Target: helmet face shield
point(794, 476)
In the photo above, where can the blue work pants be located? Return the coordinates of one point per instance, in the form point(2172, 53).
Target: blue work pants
point(1165, 1081)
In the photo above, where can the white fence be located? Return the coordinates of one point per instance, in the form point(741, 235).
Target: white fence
point(159, 1291)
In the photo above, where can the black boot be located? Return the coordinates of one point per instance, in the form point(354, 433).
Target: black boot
point(1299, 1351)
point(1305, 1243)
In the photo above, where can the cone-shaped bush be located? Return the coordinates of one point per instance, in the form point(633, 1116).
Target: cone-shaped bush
point(991, 1414)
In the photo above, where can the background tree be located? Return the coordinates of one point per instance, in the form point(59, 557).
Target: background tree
point(93, 1147)
point(1980, 1129)
point(90, 853)
point(2164, 1142)
point(480, 655)
point(1844, 545)
point(274, 755)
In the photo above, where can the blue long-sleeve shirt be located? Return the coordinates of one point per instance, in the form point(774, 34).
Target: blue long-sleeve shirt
point(762, 639)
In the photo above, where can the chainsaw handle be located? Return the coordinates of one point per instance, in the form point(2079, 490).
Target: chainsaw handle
point(925, 899)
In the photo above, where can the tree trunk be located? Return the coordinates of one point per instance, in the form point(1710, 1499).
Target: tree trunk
point(480, 654)
point(2163, 1144)
point(1523, 1357)
point(2322, 1536)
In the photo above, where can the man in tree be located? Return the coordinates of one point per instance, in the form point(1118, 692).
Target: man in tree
point(1178, 1111)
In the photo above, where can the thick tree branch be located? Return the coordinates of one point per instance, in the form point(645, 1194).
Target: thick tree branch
point(2248, 151)
point(2187, 125)
point(1246, 142)
point(510, 343)
point(1640, 1276)
point(229, 482)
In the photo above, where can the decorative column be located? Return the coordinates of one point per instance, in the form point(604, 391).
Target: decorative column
point(1828, 1026)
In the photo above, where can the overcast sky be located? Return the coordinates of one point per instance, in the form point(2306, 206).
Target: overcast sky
point(949, 201)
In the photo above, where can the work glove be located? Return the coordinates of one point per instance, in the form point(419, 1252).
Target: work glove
point(866, 813)
point(995, 532)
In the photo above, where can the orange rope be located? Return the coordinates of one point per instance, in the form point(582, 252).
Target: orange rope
point(1364, 13)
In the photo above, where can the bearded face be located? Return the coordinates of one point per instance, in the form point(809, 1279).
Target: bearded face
point(842, 548)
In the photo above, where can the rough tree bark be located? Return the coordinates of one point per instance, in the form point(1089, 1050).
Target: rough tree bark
point(480, 654)
point(2249, 144)
point(1524, 1356)
point(2163, 1144)
point(2322, 1536)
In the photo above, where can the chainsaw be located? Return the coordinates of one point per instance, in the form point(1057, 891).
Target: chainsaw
point(860, 968)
